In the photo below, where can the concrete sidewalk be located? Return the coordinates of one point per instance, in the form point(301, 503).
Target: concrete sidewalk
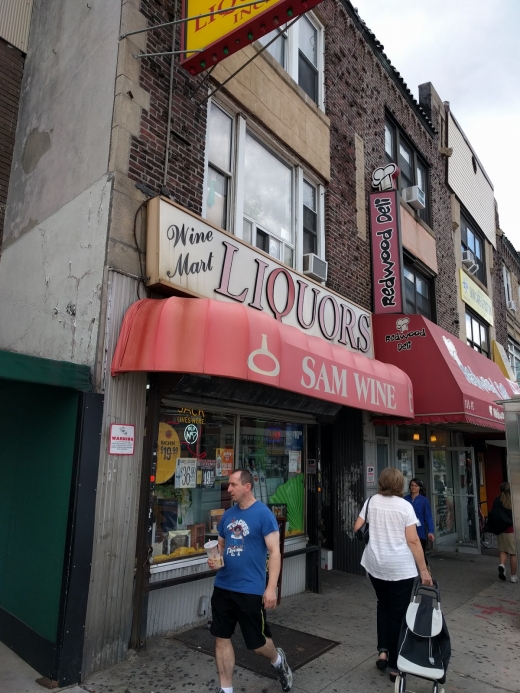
point(483, 616)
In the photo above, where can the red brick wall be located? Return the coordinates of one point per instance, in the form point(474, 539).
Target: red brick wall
point(358, 92)
point(11, 70)
point(188, 125)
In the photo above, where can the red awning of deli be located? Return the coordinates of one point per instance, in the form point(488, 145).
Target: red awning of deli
point(451, 381)
point(204, 336)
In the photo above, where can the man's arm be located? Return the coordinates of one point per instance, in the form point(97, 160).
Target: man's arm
point(272, 541)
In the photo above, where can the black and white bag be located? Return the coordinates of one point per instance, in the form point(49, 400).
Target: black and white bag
point(424, 648)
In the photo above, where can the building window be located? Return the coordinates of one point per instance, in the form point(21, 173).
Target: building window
point(508, 289)
point(473, 241)
point(259, 200)
point(219, 177)
point(299, 50)
point(477, 335)
point(513, 352)
point(417, 293)
point(413, 169)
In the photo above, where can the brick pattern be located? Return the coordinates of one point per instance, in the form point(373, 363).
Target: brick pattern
point(188, 126)
point(505, 254)
point(358, 92)
point(11, 71)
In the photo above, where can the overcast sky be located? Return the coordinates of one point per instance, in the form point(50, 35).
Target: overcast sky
point(470, 51)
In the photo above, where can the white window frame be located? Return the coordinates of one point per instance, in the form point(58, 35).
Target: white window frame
point(507, 284)
point(292, 55)
point(235, 212)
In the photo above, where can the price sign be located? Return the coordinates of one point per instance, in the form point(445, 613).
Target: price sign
point(186, 473)
point(207, 473)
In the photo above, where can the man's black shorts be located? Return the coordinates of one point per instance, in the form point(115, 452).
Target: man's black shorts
point(229, 607)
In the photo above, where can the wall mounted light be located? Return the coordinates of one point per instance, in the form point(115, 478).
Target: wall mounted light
point(433, 439)
point(416, 436)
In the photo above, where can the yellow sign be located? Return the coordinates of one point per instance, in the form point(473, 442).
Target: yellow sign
point(168, 450)
point(475, 297)
point(220, 28)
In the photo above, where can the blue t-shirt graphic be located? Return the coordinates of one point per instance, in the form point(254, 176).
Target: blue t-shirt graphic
point(245, 551)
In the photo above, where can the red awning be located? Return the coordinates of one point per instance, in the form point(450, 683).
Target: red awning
point(201, 335)
point(451, 381)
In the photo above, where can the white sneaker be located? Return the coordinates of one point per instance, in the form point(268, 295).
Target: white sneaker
point(501, 572)
point(514, 578)
point(284, 672)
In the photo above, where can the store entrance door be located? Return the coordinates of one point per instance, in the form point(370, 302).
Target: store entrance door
point(453, 484)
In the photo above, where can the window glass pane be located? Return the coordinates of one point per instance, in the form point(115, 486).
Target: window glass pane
point(216, 198)
point(469, 333)
point(309, 195)
point(422, 286)
point(247, 231)
point(273, 453)
point(288, 256)
point(421, 177)
point(405, 162)
point(268, 190)
point(478, 248)
point(194, 459)
point(309, 242)
point(309, 220)
point(308, 40)
point(483, 338)
point(308, 77)
point(219, 144)
point(471, 241)
point(389, 140)
point(475, 331)
point(278, 48)
point(408, 274)
point(262, 240)
point(382, 457)
point(275, 247)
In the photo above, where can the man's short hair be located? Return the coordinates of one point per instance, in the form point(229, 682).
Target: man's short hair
point(245, 477)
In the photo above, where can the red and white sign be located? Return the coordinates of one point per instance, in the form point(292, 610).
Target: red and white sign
point(122, 439)
point(385, 234)
point(187, 254)
point(452, 382)
point(227, 339)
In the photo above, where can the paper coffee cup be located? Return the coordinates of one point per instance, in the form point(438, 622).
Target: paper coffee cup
point(212, 551)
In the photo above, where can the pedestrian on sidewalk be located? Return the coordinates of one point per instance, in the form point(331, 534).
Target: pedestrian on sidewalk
point(391, 559)
point(506, 539)
point(423, 512)
point(247, 531)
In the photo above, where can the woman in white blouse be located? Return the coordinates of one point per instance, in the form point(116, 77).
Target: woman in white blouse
point(391, 559)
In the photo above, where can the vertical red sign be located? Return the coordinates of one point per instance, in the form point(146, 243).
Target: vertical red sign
point(385, 232)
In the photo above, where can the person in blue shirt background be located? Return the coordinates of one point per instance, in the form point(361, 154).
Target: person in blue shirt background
point(423, 512)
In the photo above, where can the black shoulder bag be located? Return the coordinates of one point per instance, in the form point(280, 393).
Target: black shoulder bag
point(362, 533)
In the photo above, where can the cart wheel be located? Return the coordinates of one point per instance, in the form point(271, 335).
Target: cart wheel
point(397, 685)
point(435, 688)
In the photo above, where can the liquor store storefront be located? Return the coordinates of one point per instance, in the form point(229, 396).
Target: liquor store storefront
point(451, 443)
point(234, 386)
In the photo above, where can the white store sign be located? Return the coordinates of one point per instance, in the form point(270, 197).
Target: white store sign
point(122, 439)
point(186, 253)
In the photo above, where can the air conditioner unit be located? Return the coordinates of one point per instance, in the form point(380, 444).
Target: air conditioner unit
point(468, 258)
point(511, 305)
point(415, 197)
point(315, 267)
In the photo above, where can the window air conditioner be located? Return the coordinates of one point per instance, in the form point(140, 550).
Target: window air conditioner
point(468, 258)
point(415, 197)
point(315, 267)
point(511, 305)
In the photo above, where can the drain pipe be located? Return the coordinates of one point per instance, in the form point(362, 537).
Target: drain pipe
point(170, 99)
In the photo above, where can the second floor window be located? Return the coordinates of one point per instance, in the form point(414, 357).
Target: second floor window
point(417, 293)
point(253, 191)
point(414, 170)
point(299, 50)
point(513, 352)
point(477, 334)
point(473, 241)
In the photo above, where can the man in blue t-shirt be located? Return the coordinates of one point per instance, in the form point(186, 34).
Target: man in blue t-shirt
point(247, 531)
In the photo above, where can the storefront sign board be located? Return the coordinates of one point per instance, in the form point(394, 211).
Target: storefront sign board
point(187, 254)
point(121, 439)
point(214, 38)
point(475, 297)
point(387, 269)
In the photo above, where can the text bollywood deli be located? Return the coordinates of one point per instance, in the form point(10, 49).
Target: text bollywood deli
point(197, 451)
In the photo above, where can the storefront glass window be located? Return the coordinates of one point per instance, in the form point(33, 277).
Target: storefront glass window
point(443, 496)
point(405, 465)
point(273, 452)
point(195, 456)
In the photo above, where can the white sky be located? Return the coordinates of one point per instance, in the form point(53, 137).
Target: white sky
point(470, 51)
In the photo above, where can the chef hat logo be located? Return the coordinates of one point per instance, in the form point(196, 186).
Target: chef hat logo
point(384, 176)
point(402, 324)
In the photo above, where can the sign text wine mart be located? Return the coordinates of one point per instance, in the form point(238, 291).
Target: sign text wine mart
point(186, 253)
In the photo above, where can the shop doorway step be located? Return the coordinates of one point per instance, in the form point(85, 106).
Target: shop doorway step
point(299, 647)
